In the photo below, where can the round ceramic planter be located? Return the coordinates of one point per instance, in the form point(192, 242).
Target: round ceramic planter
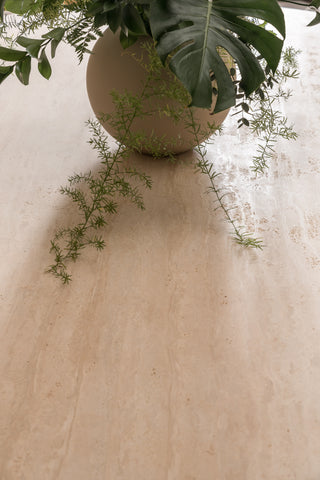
point(110, 67)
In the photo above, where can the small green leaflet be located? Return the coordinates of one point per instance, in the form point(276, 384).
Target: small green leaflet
point(32, 45)
point(44, 65)
point(11, 55)
point(23, 69)
point(133, 21)
point(56, 34)
point(5, 71)
point(316, 20)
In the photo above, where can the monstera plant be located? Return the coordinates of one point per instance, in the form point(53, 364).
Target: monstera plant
point(193, 31)
point(187, 34)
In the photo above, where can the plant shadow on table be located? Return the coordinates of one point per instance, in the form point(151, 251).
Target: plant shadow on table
point(174, 214)
point(127, 327)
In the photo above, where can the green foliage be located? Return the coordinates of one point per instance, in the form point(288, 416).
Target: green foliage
point(5, 71)
point(80, 35)
point(55, 36)
point(192, 31)
point(19, 6)
point(314, 5)
point(31, 45)
point(188, 33)
point(260, 112)
point(205, 167)
point(23, 68)
point(51, 8)
point(33, 48)
point(2, 2)
point(11, 55)
point(44, 65)
point(75, 30)
point(96, 196)
point(131, 17)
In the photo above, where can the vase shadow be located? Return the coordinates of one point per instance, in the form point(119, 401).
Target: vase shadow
point(131, 336)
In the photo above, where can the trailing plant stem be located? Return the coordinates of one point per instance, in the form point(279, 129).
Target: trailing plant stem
point(77, 239)
point(116, 156)
point(205, 167)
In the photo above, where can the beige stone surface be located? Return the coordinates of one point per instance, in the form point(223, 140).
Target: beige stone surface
point(174, 354)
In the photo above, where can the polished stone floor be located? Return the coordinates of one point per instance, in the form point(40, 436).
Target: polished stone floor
point(174, 354)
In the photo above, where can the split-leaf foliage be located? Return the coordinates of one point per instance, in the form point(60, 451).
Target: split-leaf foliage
point(188, 34)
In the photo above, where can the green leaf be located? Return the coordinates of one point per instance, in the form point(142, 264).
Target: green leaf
point(5, 71)
point(133, 21)
point(245, 107)
point(245, 122)
point(11, 55)
point(98, 6)
point(315, 21)
point(56, 34)
point(100, 19)
point(32, 45)
point(25, 41)
point(127, 40)
point(189, 34)
point(109, 5)
point(23, 69)
point(19, 6)
point(44, 65)
point(54, 45)
point(114, 18)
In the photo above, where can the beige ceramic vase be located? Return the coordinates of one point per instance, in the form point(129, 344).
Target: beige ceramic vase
point(110, 67)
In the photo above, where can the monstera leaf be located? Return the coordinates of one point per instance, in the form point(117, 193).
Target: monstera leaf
point(189, 32)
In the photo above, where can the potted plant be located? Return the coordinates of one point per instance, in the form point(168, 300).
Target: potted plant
point(187, 32)
point(188, 36)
